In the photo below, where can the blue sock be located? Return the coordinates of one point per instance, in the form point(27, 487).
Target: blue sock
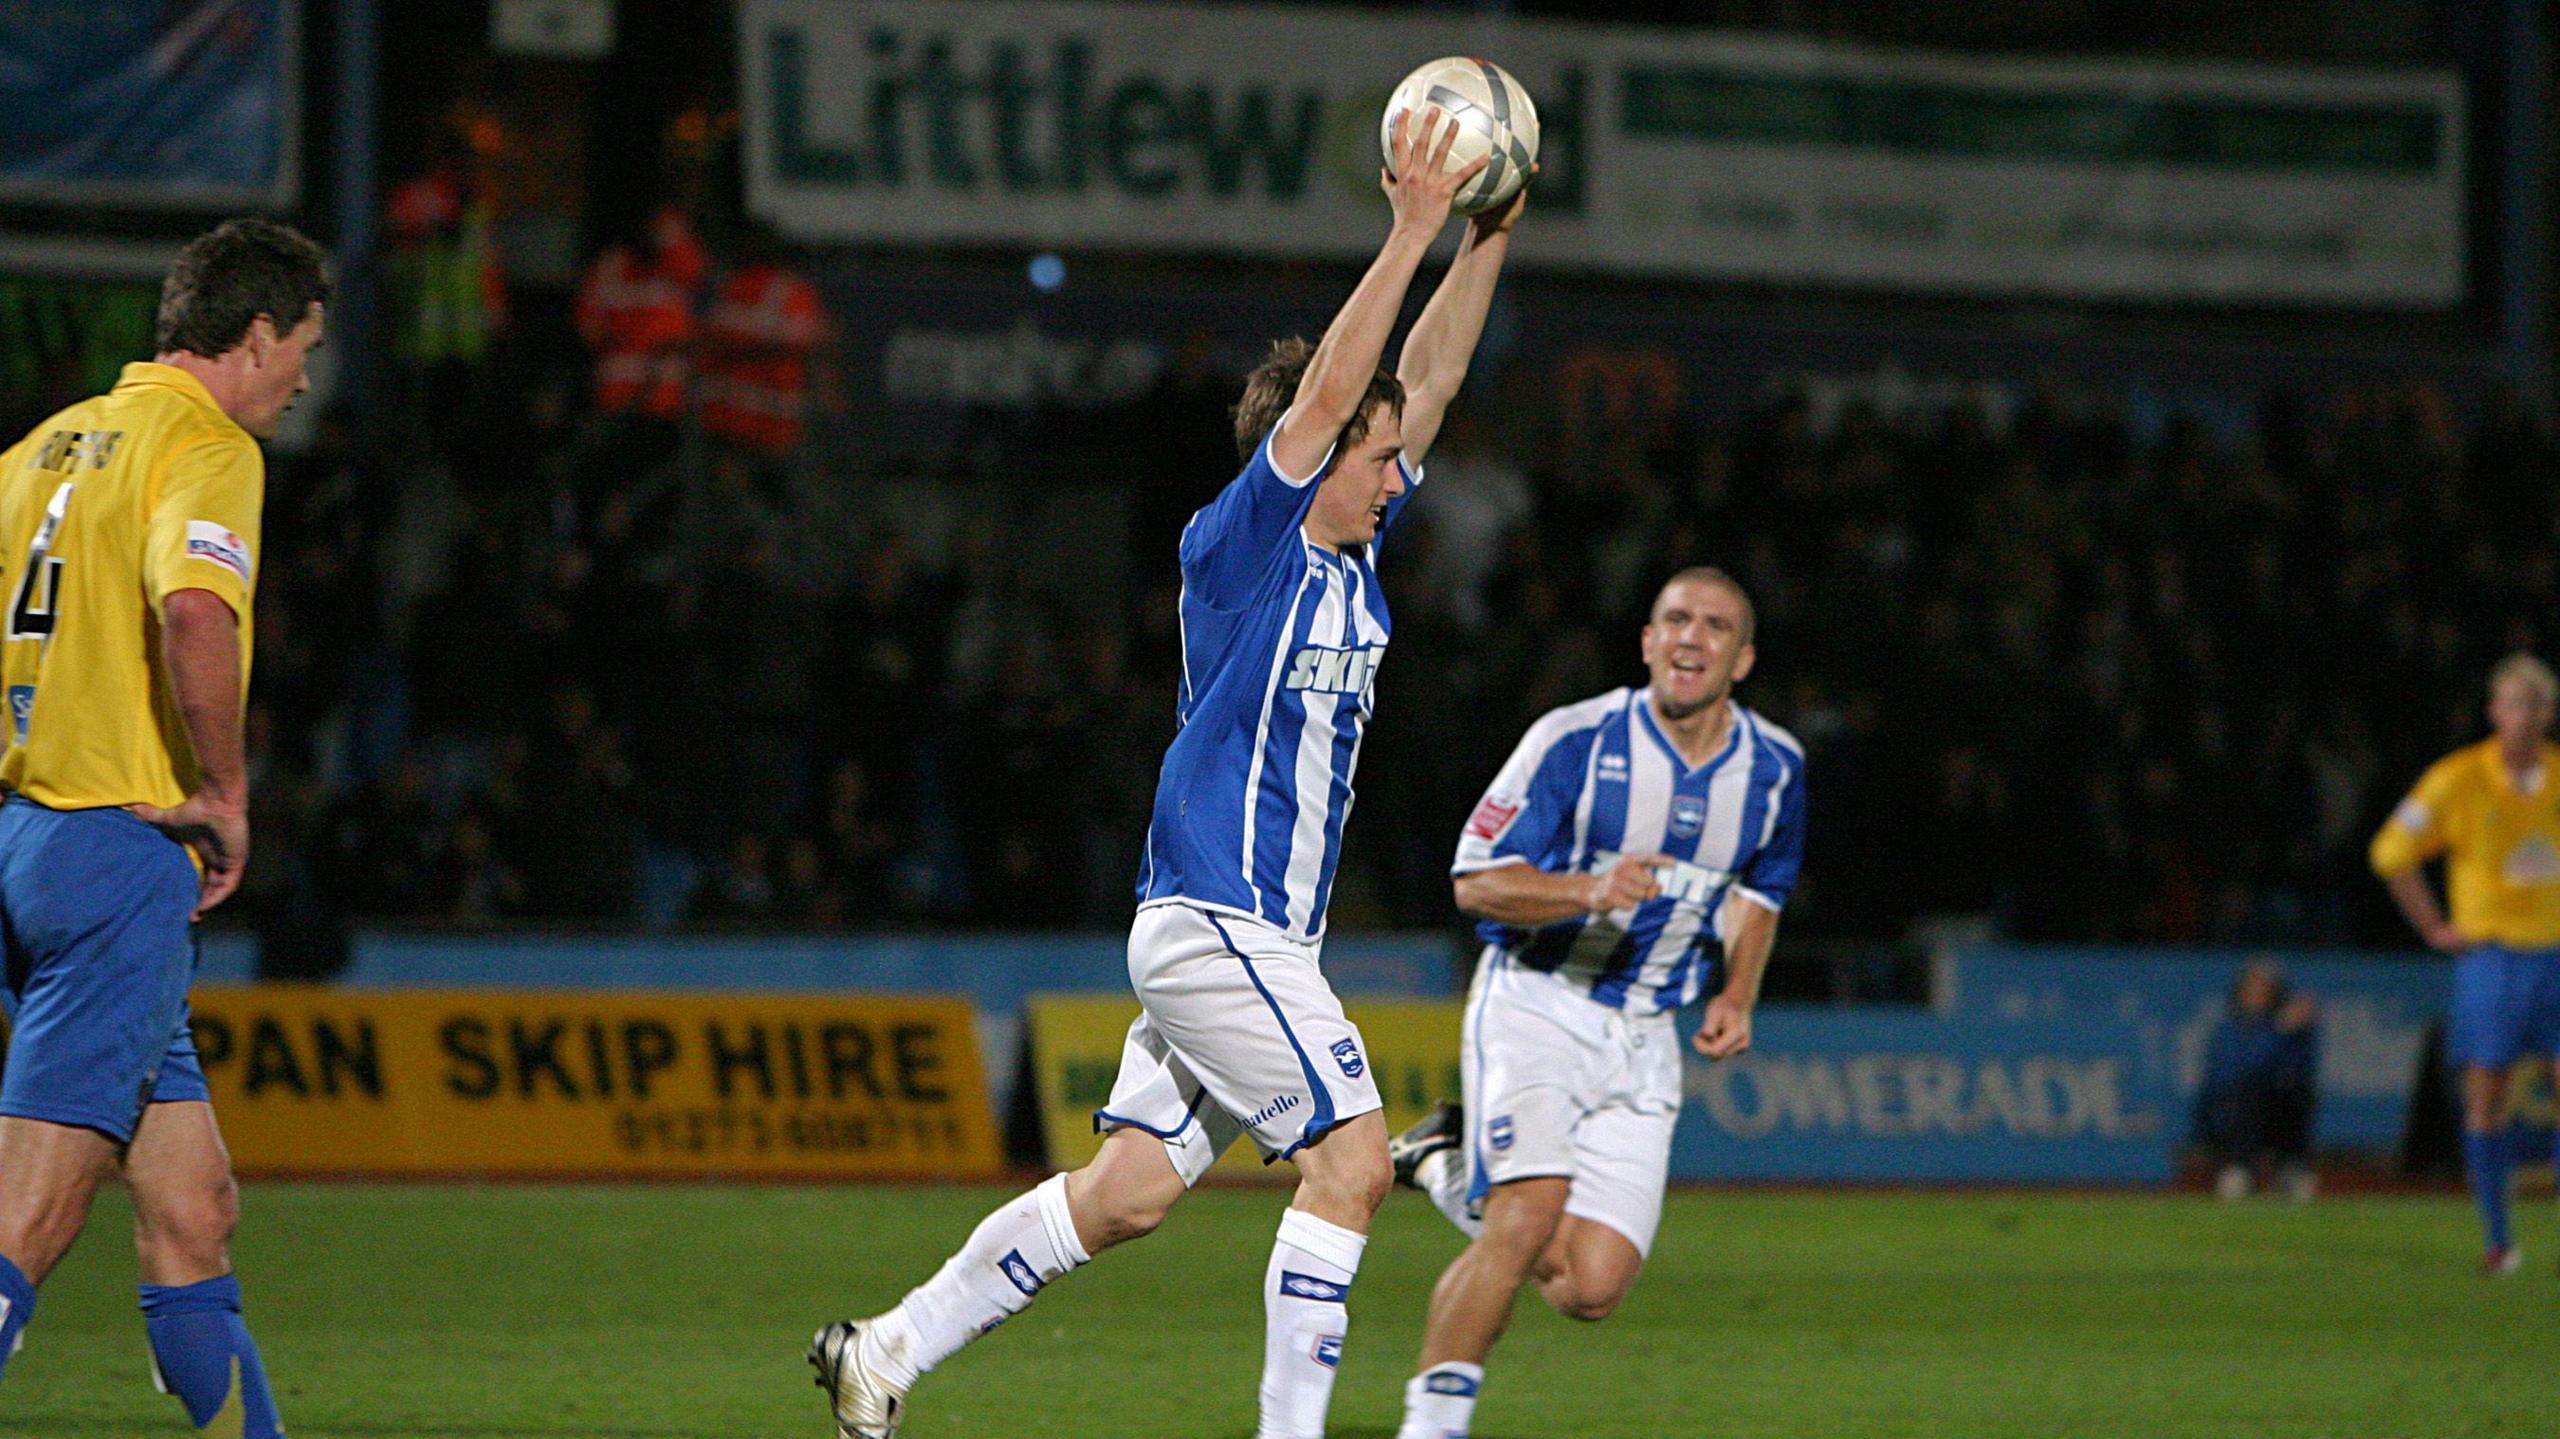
point(198, 1342)
point(17, 1306)
point(2487, 1157)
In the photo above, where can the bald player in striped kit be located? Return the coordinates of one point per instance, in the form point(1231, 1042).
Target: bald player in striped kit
point(1631, 857)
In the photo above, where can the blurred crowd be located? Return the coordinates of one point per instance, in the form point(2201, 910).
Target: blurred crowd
point(2060, 673)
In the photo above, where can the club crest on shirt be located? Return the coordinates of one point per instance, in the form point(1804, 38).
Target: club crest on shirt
point(1688, 816)
point(2532, 861)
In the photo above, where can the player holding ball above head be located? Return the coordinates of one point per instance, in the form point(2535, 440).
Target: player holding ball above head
point(1636, 844)
point(1283, 628)
point(2492, 811)
point(128, 553)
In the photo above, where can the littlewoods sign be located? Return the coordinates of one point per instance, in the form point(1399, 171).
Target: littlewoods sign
point(1019, 123)
point(1253, 130)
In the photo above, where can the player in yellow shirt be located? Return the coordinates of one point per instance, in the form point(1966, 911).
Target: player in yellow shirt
point(128, 557)
point(2492, 811)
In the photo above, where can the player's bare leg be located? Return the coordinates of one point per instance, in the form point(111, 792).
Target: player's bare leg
point(2488, 1156)
point(1587, 1270)
point(867, 1366)
point(185, 1206)
point(1471, 1305)
point(1306, 1290)
point(48, 1174)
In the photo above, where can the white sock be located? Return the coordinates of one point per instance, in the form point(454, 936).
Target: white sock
point(1440, 1402)
point(1009, 1256)
point(1444, 1177)
point(1306, 1296)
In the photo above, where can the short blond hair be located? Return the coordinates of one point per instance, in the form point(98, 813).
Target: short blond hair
point(2530, 669)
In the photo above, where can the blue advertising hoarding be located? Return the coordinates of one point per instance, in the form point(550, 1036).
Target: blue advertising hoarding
point(2374, 1013)
point(1832, 1093)
point(173, 102)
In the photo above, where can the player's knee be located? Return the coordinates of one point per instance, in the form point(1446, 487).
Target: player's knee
point(1117, 1198)
point(1519, 1232)
point(190, 1226)
point(1134, 1216)
point(1356, 1186)
point(1590, 1308)
point(38, 1232)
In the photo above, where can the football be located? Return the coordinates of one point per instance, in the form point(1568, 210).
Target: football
point(1495, 116)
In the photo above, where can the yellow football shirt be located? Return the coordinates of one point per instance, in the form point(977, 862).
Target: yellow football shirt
point(105, 510)
point(2501, 846)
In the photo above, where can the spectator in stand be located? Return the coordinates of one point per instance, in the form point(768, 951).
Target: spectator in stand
point(759, 336)
point(2261, 1086)
point(448, 289)
point(636, 313)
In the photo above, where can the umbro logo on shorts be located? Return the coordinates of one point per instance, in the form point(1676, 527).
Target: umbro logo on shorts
point(1347, 1054)
point(1307, 1286)
point(1019, 1270)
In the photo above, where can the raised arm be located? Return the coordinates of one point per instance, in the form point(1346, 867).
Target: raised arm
point(1419, 190)
point(1443, 342)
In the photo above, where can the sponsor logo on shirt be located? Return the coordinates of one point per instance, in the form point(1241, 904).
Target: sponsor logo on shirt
point(209, 541)
point(1681, 881)
point(1347, 1054)
point(1320, 670)
point(1493, 815)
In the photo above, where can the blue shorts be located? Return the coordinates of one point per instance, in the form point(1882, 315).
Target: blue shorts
point(96, 910)
point(2506, 1005)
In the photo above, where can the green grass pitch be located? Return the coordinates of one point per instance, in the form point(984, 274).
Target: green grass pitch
point(679, 1313)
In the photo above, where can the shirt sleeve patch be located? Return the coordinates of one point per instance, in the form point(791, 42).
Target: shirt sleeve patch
point(209, 541)
point(1493, 815)
point(2413, 816)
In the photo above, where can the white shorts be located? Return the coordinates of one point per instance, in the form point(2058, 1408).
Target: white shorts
point(1237, 1032)
point(1558, 1086)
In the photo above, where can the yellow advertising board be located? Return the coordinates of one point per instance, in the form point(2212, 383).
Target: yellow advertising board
point(313, 1080)
point(1412, 1048)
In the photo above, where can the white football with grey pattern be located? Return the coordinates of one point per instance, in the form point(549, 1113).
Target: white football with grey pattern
point(1495, 117)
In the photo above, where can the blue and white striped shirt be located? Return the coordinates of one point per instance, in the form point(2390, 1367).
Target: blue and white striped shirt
point(1281, 640)
point(1598, 779)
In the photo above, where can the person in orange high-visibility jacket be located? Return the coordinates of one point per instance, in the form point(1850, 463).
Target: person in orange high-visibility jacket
point(763, 326)
point(636, 313)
